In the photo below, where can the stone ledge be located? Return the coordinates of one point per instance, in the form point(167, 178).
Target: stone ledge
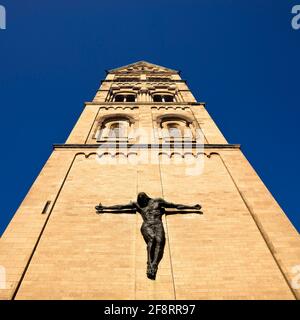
point(140, 103)
point(144, 146)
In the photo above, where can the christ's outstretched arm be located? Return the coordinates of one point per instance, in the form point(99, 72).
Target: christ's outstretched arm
point(100, 207)
point(167, 204)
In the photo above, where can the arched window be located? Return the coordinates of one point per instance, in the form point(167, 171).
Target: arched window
point(118, 129)
point(124, 98)
point(130, 98)
point(163, 98)
point(115, 128)
point(168, 98)
point(175, 128)
point(157, 98)
point(119, 98)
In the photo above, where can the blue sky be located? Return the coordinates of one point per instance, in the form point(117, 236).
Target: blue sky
point(241, 57)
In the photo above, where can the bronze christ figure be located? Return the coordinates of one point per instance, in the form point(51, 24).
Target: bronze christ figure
point(151, 210)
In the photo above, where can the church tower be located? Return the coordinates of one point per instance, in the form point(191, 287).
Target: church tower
point(145, 132)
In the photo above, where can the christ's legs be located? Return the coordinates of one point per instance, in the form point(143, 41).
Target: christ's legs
point(149, 250)
point(154, 236)
point(157, 252)
point(149, 237)
point(159, 246)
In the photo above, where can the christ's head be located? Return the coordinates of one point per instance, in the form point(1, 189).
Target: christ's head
point(142, 199)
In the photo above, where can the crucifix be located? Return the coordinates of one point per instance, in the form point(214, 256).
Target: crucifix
point(152, 229)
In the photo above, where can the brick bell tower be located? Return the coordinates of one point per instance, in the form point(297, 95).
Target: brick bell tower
point(144, 131)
